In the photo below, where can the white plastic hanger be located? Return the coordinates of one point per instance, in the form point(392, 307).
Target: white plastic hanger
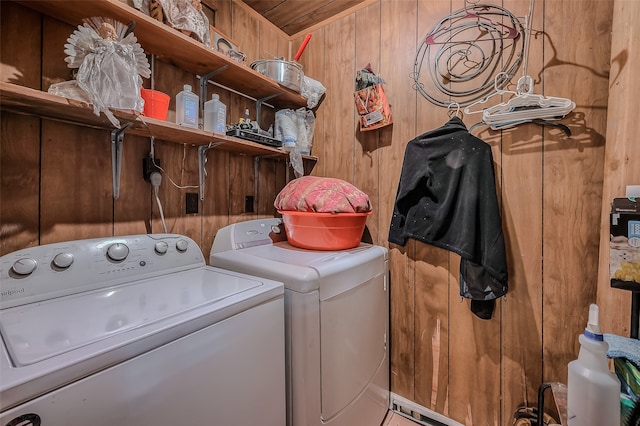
point(524, 106)
point(499, 80)
point(451, 112)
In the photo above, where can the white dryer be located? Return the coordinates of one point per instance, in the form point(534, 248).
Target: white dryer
point(137, 330)
point(336, 321)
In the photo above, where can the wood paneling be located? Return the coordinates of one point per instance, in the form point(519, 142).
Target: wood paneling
point(132, 210)
point(366, 164)
point(550, 187)
point(443, 357)
point(19, 136)
point(433, 275)
point(20, 65)
point(76, 197)
point(622, 152)
point(339, 141)
point(65, 189)
point(20, 180)
point(573, 173)
point(294, 16)
point(520, 170)
point(397, 50)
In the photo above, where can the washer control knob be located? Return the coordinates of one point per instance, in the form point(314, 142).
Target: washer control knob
point(63, 260)
point(275, 229)
point(24, 266)
point(161, 247)
point(118, 252)
point(182, 245)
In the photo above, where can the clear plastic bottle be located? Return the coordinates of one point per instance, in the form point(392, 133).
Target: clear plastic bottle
point(187, 108)
point(215, 116)
point(593, 391)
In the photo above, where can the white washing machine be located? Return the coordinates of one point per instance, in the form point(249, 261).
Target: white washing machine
point(137, 330)
point(336, 321)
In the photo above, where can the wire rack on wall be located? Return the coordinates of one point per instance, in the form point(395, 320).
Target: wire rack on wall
point(462, 54)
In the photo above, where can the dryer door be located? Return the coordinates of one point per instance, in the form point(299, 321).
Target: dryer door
point(353, 345)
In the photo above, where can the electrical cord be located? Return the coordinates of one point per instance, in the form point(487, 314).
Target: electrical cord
point(156, 180)
point(169, 177)
point(152, 155)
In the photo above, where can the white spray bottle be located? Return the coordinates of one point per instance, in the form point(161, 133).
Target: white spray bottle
point(593, 391)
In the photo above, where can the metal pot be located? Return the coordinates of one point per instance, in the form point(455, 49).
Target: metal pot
point(287, 73)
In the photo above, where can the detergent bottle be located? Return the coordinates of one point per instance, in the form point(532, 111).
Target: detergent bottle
point(593, 391)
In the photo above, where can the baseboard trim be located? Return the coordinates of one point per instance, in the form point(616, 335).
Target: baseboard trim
point(418, 413)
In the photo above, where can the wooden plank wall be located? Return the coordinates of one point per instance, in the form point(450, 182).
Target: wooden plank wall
point(56, 185)
point(622, 152)
point(56, 177)
point(550, 187)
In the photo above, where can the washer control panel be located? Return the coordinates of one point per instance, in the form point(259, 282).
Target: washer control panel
point(59, 269)
point(249, 233)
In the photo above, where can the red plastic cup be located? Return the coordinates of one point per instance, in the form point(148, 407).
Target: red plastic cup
point(156, 104)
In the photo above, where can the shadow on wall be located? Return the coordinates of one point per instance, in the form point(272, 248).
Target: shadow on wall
point(514, 141)
point(374, 139)
point(555, 61)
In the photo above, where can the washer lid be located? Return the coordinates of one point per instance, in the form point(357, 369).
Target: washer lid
point(38, 331)
point(304, 270)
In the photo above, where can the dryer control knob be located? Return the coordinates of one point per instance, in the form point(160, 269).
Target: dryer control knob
point(118, 252)
point(161, 247)
point(24, 266)
point(182, 245)
point(63, 260)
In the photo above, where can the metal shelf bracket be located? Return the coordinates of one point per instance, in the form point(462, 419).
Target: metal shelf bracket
point(202, 172)
point(202, 161)
point(117, 139)
point(259, 103)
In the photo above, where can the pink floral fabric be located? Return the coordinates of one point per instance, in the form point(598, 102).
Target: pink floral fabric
point(322, 195)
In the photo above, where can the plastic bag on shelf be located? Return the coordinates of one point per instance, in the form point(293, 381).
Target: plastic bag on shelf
point(295, 129)
point(312, 90)
point(286, 128)
point(188, 17)
point(295, 157)
point(306, 123)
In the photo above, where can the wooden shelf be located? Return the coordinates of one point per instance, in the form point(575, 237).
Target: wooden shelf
point(23, 100)
point(170, 45)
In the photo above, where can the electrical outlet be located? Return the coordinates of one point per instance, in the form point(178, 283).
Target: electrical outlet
point(149, 167)
point(248, 204)
point(191, 202)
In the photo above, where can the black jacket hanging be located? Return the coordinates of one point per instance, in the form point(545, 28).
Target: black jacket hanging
point(447, 197)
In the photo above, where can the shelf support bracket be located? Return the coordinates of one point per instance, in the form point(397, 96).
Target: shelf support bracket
point(202, 161)
point(117, 139)
point(256, 178)
point(259, 103)
point(203, 87)
point(202, 172)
